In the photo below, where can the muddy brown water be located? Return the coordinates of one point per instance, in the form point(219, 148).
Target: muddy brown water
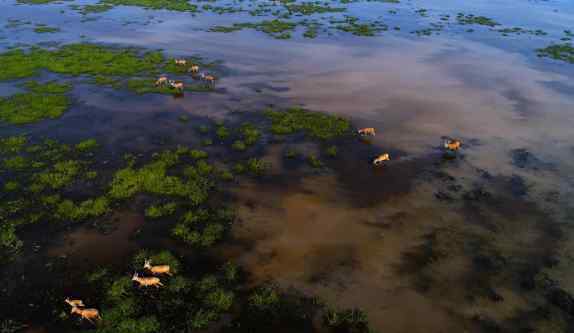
point(423, 244)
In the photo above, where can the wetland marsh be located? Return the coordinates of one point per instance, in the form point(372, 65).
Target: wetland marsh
point(254, 187)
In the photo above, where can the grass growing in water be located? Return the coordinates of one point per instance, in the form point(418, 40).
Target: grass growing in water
point(563, 52)
point(314, 124)
point(25, 108)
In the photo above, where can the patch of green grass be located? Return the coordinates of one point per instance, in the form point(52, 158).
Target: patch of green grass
point(352, 25)
point(472, 19)
point(278, 29)
point(157, 211)
point(94, 9)
point(239, 145)
point(10, 244)
point(153, 178)
point(202, 228)
point(25, 108)
point(51, 87)
point(37, 2)
point(265, 299)
point(11, 186)
point(62, 174)
point(68, 210)
point(46, 29)
point(314, 161)
point(314, 124)
point(222, 132)
point(102, 80)
point(173, 5)
point(353, 320)
point(87, 145)
point(310, 8)
point(16, 163)
point(12, 144)
point(331, 151)
point(78, 59)
point(562, 52)
point(249, 133)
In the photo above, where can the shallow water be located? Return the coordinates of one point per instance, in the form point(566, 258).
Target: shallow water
point(357, 237)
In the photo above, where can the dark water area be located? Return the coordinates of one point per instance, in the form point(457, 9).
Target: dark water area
point(477, 241)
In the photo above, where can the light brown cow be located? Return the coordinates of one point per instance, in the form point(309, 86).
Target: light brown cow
point(452, 144)
point(367, 131)
point(379, 160)
point(74, 302)
point(193, 69)
point(157, 270)
point(147, 281)
point(89, 314)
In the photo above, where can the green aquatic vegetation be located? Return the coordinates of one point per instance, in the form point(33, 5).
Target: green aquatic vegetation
point(102, 80)
point(11, 186)
point(12, 144)
point(51, 87)
point(314, 161)
point(230, 271)
point(331, 151)
point(62, 174)
point(156, 211)
point(183, 118)
point(520, 31)
point(256, 166)
point(38, 2)
point(265, 299)
point(310, 8)
point(222, 132)
point(226, 175)
point(203, 129)
point(563, 52)
point(352, 320)
point(45, 29)
point(276, 28)
point(87, 145)
point(352, 25)
point(291, 153)
point(250, 133)
point(220, 300)
point(78, 59)
point(472, 19)
point(16, 163)
point(197, 154)
point(422, 12)
point(314, 124)
point(91, 175)
point(153, 178)
point(239, 145)
point(68, 210)
point(25, 108)
point(93, 9)
point(202, 228)
point(10, 244)
point(206, 142)
point(173, 5)
point(201, 319)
